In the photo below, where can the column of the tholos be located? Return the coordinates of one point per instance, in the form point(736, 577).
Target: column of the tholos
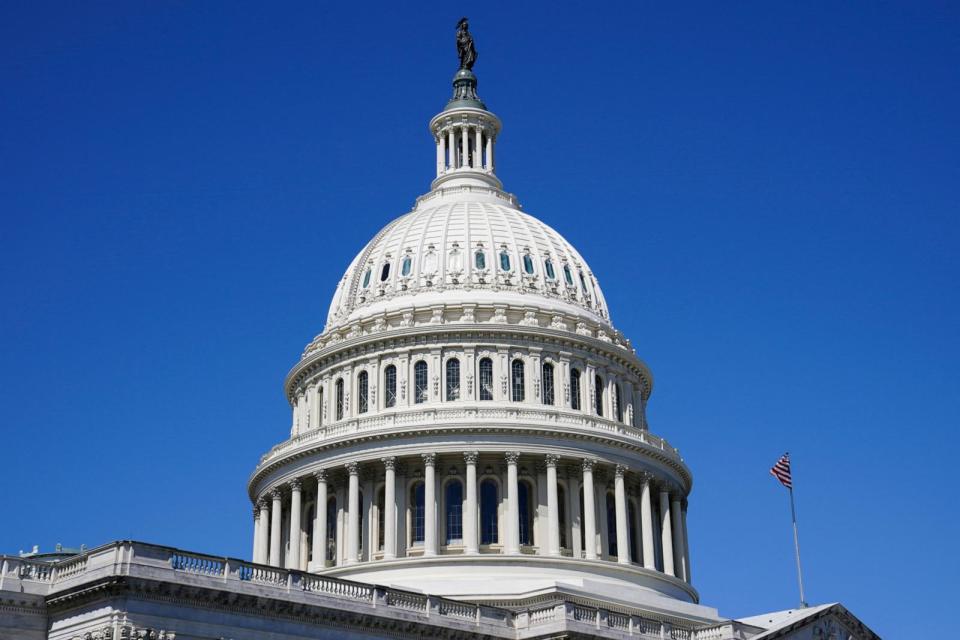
point(256, 533)
point(353, 513)
point(665, 532)
point(553, 507)
point(429, 504)
point(275, 524)
point(489, 166)
point(478, 149)
point(295, 505)
point(575, 524)
point(589, 513)
point(646, 524)
point(623, 532)
point(389, 509)
point(686, 543)
point(464, 146)
point(470, 542)
point(440, 166)
point(451, 148)
point(263, 550)
point(513, 509)
point(320, 521)
point(677, 527)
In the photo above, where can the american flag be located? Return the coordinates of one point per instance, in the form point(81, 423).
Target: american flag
point(781, 471)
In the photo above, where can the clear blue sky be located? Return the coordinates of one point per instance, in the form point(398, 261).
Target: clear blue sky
point(768, 193)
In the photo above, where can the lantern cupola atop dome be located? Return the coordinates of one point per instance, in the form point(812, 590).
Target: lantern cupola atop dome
point(465, 132)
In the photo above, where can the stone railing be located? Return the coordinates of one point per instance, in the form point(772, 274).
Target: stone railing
point(174, 566)
point(479, 414)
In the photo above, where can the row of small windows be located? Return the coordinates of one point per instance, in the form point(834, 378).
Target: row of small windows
point(480, 262)
point(485, 369)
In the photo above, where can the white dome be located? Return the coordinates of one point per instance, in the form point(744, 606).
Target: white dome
point(432, 256)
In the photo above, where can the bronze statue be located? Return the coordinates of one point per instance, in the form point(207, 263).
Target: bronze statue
point(465, 49)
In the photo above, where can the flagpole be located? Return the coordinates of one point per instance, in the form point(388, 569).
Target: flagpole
point(796, 548)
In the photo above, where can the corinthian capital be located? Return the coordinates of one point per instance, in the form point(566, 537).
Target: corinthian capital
point(551, 460)
point(429, 459)
point(620, 470)
point(471, 457)
point(352, 468)
point(389, 463)
point(588, 464)
point(512, 457)
point(296, 484)
point(320, 475)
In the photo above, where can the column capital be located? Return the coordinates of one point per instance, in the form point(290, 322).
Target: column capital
point(646, 477)
point(429, 459)
point(551, 460)
point(588, 464)
point(389, 463)
point(620, 470)
point(256, 512)
point(512, 457)
point(276, 493)
point(352, 468)
point(320, 475)
point(471, 457)
point(295, 484)
point(263, 503)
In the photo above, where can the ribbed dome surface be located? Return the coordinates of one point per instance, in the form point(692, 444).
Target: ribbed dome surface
point(465, 250)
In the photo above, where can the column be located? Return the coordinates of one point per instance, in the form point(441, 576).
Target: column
point(573, 500)
point(478, 150)
point(439, 154)
point(464, 146)
point(589, 512)
point(389, 514)
point(295, 506)
point(429, 504)
point(623, 532)
point(263, 548)
point(275, 524)
point(686, 542)
point(451, 149)
point(353, 513)
point(513, 508)
point(665, 533)
point(553, 507)
point(320, 522)
point(315, 407)
point(368, 535)
point(256, 533)
point(646, 525)
point(489, 166)
point(677, 527)
point(470, 541)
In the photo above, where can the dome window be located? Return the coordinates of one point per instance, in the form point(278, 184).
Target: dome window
point(567, 275)
point(385, 272)
point(504, 261)
point(405, 266)
point(548, 267)
point(583, 284)
point(366, 278)
point(528, 263)
point(480, 259)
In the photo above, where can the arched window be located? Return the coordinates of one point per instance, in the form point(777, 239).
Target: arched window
point(363, 392)
point(567, 275)
point(486, 379)
point(420, 382)
point(598, 395)
point(562, 514)
point(504, 260)
point(632, 516)
point(525, 513)
point(611, 525)
point(528, 263)
point(339, 398)
point(617, 406)
point(453, 499)
point(453, 379)
point(488, 512)
point(548, 267)
point(546, 382)
point(416, 514)
point(331, 545)
point(366, 278)
point(480, 259)
point(575, 388)
point(516, 380)
point(384, 272)
point(390, 386)
point(380, 518)
point(406, 266)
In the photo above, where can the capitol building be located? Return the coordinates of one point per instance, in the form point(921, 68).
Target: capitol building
point(468, 456)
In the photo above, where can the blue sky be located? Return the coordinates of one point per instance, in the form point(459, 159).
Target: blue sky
point(767, 192)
